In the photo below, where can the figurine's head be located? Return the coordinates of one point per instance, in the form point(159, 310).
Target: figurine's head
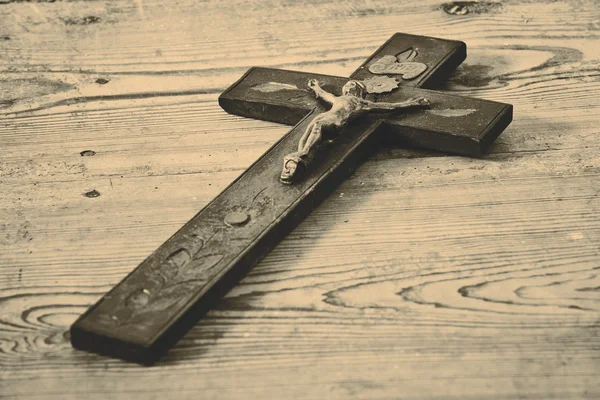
point(354, 88)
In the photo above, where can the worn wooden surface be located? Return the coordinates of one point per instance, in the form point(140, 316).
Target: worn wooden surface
point(422, 277)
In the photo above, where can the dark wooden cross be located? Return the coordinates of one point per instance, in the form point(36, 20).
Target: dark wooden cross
point(159, 301)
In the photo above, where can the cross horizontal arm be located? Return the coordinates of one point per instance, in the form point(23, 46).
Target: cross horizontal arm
point(166, 294)
point(268, 90)
point(454, 124)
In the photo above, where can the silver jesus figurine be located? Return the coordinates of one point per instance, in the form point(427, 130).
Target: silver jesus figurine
point(344, 108)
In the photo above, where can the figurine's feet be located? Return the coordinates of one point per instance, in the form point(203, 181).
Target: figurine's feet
point(292, 165)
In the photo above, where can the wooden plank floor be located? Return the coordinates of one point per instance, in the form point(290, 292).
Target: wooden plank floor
point(423, 277)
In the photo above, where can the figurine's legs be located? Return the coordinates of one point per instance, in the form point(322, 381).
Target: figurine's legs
point(305, 135)
point(292, 162)
point(314, 132)
point(314, 136)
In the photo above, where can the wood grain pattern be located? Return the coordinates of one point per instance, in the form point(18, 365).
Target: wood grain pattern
point(422, 277)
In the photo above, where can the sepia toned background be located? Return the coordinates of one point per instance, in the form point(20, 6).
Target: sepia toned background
point(424, 276)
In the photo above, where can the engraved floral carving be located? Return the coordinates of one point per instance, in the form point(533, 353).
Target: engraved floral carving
point(183, 270)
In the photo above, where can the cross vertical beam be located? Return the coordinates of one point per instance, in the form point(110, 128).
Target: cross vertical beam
point(157, 303)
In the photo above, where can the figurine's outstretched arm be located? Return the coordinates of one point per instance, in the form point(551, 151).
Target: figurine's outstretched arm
point(383, 106)
point(328, 97)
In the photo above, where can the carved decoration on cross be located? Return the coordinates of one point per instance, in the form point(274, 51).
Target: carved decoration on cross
point(159, 301)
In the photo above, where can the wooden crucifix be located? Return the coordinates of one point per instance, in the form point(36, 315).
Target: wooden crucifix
point(159, 301)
